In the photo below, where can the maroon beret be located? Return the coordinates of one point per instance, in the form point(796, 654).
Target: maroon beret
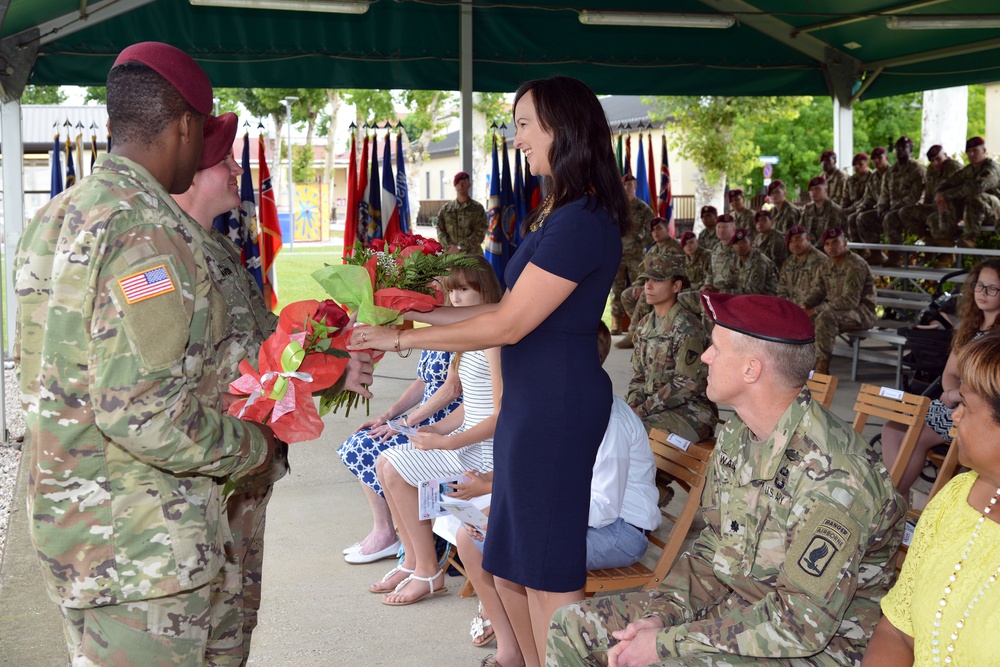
point(974, 141)
point(708, 209)
point(687, 236)
point(934, 151)
point(819, 180)
point(725, 217)
point(653, 222)
point(765, 317)
point(763, 213)
point(733, 194)
point(793, 231)
point(879, 150)
point(739, 235)
point(462, 175)
point(220, 132)
point(177, 67)
point(775, 184)
point(827, 154)
point(627, 177)
point(859, 157)
point(904, 140)
point(832, 233)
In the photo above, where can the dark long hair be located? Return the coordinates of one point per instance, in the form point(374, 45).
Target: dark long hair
point(581, 156)
point(970, 317)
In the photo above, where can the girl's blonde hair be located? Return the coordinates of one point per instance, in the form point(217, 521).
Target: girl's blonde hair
point(979, 368)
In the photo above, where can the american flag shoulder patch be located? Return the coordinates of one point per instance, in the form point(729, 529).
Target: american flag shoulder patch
point(146, 284)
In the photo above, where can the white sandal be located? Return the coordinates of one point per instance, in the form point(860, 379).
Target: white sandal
point(430, 589)
point(395, 570)
point(482, 633)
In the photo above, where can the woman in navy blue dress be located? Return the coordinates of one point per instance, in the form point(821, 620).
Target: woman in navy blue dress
point(557, 398)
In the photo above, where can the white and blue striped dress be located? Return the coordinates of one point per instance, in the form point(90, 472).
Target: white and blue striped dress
point(417, 465)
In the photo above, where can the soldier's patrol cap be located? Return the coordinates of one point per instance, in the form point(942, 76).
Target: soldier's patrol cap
point(879, 150)
point(775, 184)
point(219, 136)
point(827, 154)
point(763, 213)
point(460, 176)
point(653, 222)
point(859, 157)
point(725, 217)
point(708, 209)
point(178, 68)
point(793, 231)
point(974, 141)
point(765, 317)
point(687, 236)
point(733, 194)
point(819, 180)
point(934, 151)
point(739, 235)
point(626, 178)
point(832, 233)
point(664, 267)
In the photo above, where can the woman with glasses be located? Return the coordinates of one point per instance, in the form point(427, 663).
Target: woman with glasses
point(977, 316)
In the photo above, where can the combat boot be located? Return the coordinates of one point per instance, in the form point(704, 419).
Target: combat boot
point(616, 325)
point(944, 260)
point(894, 259)
point(875, 258)
point(823, 366)
point(626, 343)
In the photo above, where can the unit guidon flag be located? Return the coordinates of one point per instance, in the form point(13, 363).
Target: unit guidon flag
point(147, 284)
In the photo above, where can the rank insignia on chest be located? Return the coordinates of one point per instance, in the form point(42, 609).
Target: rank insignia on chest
point(147, 284)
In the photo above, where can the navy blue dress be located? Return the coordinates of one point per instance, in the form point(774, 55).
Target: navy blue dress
point(555, 409)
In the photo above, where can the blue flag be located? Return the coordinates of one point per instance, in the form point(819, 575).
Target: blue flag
point(70, 169)
point(641, 181)
point(56, 185)
point(402, 190)
point(520, 200)
point(249, 229)
point(374, 197)
point(495, 237)
point(508, 214)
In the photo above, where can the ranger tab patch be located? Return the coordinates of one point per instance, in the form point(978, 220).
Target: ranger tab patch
point(147, 284)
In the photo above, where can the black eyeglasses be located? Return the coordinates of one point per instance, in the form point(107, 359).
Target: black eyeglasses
point(989, 290)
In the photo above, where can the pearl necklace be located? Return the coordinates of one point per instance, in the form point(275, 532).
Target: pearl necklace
point(935, 642)
point(544, 213)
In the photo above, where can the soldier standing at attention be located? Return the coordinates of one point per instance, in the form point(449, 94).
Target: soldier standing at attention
point(803, 524)
point(462, 223)
point(972, 193)
point(857, 183)
point(768, 240)
point(667, 389)
point(822, 212)
point(842, 296)
point(129, 444)
point(706, 237)
point(755, 272)
point(698, 261)
point(903, 186)
point(632, 298)
point(921, 219)
point(741, 214)
point(795, 280)
point(836, 180)
point(786, 214)
point(864, 224)
point(633, 248)
point(723, 275)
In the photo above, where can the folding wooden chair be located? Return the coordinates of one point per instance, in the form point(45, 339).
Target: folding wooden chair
point(689, 469)
point(895, 406)
point(947, 466)
point(823, 387)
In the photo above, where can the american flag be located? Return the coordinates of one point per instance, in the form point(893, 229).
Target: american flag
point(142, 286)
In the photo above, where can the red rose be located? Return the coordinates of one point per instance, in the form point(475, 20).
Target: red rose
point(378, 245)
point(331, 314)
point(431, 247)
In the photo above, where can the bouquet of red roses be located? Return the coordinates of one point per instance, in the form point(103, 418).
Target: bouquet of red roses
point(306, 355)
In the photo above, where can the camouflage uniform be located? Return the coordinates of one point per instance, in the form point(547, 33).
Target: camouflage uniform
point(633, 300)
point(724, 269)
point(857, 183)
point(708, 240)
point(974, 192)
point(698, 268)
point(786, 216)
point(817, 219)
point(667, 389)
point(836, 186)
point(920, 218)
point(129, 446)
point(463, 224)
point(844, 298)
point(756, 274)
point(864, 225)
point(633, 249)
point(796, 278)
point(772, 244)
point(903, 186)
point(744, 219)
point(799, 549)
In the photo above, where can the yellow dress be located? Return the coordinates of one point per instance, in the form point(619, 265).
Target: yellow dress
point(942, 534)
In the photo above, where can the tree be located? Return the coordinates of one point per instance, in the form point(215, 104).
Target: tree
point(797, 144)
point(977, 111)
point(43, 95)
point(98, 94)
point(881, 121)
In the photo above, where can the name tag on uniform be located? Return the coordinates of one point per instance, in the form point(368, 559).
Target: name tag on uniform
point(678, 442)
point(889, 392)
point(908, 530)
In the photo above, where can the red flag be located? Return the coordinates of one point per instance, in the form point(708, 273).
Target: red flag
point(270, 230)
point(666, 195)
point(628, 154)
point(651, 173)
point(351, 225)
point(362, 196)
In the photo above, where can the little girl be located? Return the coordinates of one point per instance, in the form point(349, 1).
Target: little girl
point(460, 442)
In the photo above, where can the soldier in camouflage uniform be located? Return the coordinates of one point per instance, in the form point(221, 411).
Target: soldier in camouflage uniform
point(707, 239)
point(741, 214)
point(903, 186)
point(821, 213)
point(768, 240)
point(842, 298)
point(864, 224)
point(755, 272)
point(462, 223)
point(803, 525)
point(723, 264)
point(786, 214)
point(795, 280)
point(633, 249)
point(667, 390)
point(836, 180)
point(632, 298)
point(116, 327)
point(973, 193)
point(919, 218)
point(857, 183)
point(698, 261)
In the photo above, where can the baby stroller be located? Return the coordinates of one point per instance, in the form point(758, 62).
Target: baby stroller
point(929, 339)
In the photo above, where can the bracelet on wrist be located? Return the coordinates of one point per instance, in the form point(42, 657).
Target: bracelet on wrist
point(396, 346)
